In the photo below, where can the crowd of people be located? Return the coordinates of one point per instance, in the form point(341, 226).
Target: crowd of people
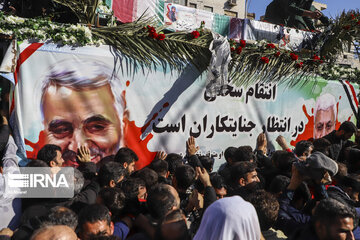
point(309, 192)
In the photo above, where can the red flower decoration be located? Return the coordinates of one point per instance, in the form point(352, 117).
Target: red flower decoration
point(232, 49)
point(358, 22)
point(264, 60)
point(299, 65)
point(242, 43)
point(151, 29)
point(195, 34)
point(316, 58)
point(321, 61)
point(153, 35)
point(352, 16)
point(160, 36)
point(347, 27)
point(270, 45)
point(239, 50)
point(294, 57)
point(277, 54)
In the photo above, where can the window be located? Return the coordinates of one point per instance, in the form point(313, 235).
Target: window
point(192, 5)
point(230, 13)
point(209, 9)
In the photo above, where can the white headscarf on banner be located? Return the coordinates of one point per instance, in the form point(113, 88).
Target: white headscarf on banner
point(229, 218)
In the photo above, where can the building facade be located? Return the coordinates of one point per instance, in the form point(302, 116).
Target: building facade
point(232, 8)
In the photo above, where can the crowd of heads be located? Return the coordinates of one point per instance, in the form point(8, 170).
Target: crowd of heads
point(309, 191)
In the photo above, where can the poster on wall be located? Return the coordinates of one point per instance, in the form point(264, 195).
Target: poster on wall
point(181, 18)
point(84, 96)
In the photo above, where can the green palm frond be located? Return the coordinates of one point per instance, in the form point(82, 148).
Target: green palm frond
point(176, 50)
point(85, 10)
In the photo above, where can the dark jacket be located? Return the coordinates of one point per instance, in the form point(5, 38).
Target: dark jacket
point(290, 219)
point(306, 232)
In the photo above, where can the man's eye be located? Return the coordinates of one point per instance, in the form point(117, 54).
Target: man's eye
point(320, 127)
point(61, 131)
point(328, 126)
point(95, 127)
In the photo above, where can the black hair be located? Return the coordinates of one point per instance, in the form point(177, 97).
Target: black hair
point(60, 215)
point(351, 180)
point(176, 222)
point(244, 154)
point(174, 160)
point(102, 237)
point(105, 160)
point(161, 167)
point(125, 155)
point(322, 145)
point(160, 201)
point(229, 153)
point(131, 186)
point(111, 171)
point(348, 127)
point(283, 160)
point(48, 153)
point(240, 170)
point(267, 208)
point(207, 162)
point(217, 180)
point(353, 160)
point(149, 176)
point(328, 210)
point(36, 163)
point(185, 176)
point(114, 200)
point(301, 147)
point(279, 184)
point(93, 213)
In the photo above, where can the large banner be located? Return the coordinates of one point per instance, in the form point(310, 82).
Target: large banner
point(91, 96)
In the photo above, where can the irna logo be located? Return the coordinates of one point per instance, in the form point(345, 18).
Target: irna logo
point(36, 180)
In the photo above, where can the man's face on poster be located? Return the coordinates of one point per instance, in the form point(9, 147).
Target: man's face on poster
point(81, 117)
point(324, 122)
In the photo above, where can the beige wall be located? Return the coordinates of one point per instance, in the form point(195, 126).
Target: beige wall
point(320, 6)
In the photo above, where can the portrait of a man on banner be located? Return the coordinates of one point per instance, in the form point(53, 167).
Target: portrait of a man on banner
point(82, 104)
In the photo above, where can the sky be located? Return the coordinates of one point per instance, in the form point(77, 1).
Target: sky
point(334, 7)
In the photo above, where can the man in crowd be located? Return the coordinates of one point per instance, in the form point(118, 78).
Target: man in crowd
point(127, 158)
point(55, 232)
point(332, 220)
point(111, 174)
point(51, 155)
point(338, 139)
point(294, 13)
point(244, 178)
point(95, 220)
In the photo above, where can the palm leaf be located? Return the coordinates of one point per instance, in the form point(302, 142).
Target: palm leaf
point(85, 10)
point(175, 51)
